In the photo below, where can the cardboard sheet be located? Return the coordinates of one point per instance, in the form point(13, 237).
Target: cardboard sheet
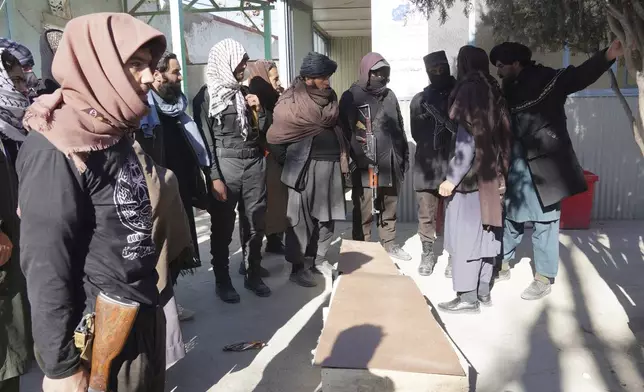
point(365, 257)
point(383, 322)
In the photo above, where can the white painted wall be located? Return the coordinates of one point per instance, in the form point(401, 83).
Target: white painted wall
point(404, 41)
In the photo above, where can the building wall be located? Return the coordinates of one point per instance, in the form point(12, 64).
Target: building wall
point(347, 52)
point(29, 16)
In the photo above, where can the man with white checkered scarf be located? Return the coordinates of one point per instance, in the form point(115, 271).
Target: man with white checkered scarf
point(238, 170)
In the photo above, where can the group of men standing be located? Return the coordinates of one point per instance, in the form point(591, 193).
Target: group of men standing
point(97, 211)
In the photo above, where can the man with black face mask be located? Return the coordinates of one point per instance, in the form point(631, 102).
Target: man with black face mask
point(392, 151)
point(433, 132)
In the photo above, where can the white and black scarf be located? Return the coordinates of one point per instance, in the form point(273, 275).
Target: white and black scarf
point(223, 88)
point(12, 108)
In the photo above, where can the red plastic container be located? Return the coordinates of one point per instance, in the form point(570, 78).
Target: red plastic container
point(575, 210)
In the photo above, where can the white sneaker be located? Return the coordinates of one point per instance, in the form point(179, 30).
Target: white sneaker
point(185, 314)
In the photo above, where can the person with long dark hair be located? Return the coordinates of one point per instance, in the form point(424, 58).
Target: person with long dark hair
point(475, 181)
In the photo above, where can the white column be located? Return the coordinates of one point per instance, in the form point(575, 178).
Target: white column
point(283, 31)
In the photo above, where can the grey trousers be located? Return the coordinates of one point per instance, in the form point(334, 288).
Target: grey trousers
point(10, 385)
point(298, 244)
point(472, 275)
point(245, 181)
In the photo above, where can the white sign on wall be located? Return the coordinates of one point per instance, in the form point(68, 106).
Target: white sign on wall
point(403, 35)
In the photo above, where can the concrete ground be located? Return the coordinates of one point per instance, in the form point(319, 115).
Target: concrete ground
point(581, 338)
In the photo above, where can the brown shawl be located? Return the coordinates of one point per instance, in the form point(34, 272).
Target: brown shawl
point(478, 105)
point(99, 103)
point(170, 230)
point(303, 112)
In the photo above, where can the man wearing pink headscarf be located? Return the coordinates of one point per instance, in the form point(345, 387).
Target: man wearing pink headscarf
point(86, 209)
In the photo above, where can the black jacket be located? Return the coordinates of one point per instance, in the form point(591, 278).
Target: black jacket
point(537, 99)
point(15, 329)
point(81, 234)
point(433, 145)
point(227, 135)
point(387, 125)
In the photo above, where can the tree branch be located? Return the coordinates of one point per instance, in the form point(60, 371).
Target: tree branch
point(636, 122)
point(626, 24)
point(639, 9)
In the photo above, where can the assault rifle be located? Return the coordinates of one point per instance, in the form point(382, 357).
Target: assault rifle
point(441, 121)
point(372, 154)
point(113, 320)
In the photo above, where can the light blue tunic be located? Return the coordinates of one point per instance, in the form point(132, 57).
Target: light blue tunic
point(522, 202)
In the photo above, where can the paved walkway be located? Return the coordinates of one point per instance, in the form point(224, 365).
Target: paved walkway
point(580, 338)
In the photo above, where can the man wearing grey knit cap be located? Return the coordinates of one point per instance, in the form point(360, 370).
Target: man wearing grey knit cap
point(306, 139)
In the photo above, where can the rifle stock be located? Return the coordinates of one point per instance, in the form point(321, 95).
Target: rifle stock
point(114, 319)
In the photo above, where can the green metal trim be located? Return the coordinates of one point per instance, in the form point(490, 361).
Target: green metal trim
point(187, 7)
point(268, 34)
point(201, 10)
point(136, 7)
point(259, 2)
point(214, 4)
point(250, 20)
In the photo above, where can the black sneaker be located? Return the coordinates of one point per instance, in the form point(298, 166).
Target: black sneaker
point(397, 252)
point(226, 292)
point(263, 272)
point(255, 284)
point(458, 306)
point(274, 244)
point(303, 277)
point(321, 268)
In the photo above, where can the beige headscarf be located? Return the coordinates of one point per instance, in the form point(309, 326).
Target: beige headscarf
point(99, 104)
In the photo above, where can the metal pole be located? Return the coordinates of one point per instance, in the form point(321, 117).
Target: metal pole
point(8, 14)
point(176, 28)
point(268, 35)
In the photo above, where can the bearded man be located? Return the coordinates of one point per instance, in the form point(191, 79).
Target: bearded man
point(544, 168)
point(223, 109)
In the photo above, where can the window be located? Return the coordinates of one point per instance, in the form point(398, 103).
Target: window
point(319, 44)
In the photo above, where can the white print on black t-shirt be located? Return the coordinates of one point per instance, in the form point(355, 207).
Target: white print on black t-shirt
point(134, 209)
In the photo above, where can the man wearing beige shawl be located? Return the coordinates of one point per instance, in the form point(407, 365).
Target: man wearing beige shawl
point(86, 208)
